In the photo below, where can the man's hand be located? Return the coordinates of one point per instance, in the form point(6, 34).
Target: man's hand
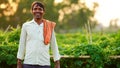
point(19, 63)
point(57, 64)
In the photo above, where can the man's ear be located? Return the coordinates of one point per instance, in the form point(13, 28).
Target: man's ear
point(31, 11)
point(44, 13)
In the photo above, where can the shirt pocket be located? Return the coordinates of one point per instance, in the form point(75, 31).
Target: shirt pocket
point(31, 33)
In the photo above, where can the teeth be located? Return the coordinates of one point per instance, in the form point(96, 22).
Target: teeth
point(37, 14)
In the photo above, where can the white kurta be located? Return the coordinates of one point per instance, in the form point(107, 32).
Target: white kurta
point(31, 45)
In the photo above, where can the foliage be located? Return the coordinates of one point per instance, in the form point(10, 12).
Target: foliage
point(76, 45)
point(102, 47)
point(8, 46)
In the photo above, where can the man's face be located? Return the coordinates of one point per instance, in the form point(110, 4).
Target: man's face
point(37, 12)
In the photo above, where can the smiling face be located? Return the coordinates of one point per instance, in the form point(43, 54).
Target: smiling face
point(37, 11)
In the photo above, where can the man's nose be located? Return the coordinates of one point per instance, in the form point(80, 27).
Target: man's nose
point(37, 10)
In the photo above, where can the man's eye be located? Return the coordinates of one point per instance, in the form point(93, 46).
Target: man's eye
point(40, 9)
point(35, 9)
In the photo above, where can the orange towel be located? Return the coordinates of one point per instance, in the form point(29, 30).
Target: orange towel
point(47, 30)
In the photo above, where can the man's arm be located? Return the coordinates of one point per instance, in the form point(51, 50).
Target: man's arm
point(57, 64)
point(21, 49)
point(54, 47)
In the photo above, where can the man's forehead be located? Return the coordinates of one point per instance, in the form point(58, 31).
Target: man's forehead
point(36, 5)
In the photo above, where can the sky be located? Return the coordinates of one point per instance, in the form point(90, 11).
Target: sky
point(107, 10)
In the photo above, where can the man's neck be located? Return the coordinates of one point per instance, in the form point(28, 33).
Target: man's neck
point(38, 21)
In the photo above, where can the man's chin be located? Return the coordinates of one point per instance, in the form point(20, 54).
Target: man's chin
point(37, 18)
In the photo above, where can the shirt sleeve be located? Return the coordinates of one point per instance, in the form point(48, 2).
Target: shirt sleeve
point(54, 47)
point(22, 44)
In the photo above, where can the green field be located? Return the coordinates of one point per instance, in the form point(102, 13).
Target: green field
point(72, 44)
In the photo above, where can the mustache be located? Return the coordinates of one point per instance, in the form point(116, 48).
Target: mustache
point(38, 12)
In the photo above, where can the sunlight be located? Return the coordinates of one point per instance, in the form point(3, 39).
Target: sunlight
point(2, 6)
point(58, 1)
point(11, 8)
point(107, 10)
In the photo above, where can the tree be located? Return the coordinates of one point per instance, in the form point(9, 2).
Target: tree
point(73, 13)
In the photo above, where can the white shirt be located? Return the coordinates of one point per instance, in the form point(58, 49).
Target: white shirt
point(31, 45)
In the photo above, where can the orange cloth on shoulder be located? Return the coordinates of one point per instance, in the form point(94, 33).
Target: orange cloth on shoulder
point(47, 30)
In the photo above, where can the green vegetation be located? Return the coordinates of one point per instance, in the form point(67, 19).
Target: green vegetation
point(75, 44)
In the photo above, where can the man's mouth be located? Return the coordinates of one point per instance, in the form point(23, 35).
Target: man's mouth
point(38, 15)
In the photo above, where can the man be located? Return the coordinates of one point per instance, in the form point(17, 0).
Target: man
point(36, 37)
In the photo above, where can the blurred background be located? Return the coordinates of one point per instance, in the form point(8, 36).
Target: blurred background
point(70, 15)
point(87, 31)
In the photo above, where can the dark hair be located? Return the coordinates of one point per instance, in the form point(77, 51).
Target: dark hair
point(39, 4)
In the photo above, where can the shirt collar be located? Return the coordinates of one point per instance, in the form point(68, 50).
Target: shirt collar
point(33, 21)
